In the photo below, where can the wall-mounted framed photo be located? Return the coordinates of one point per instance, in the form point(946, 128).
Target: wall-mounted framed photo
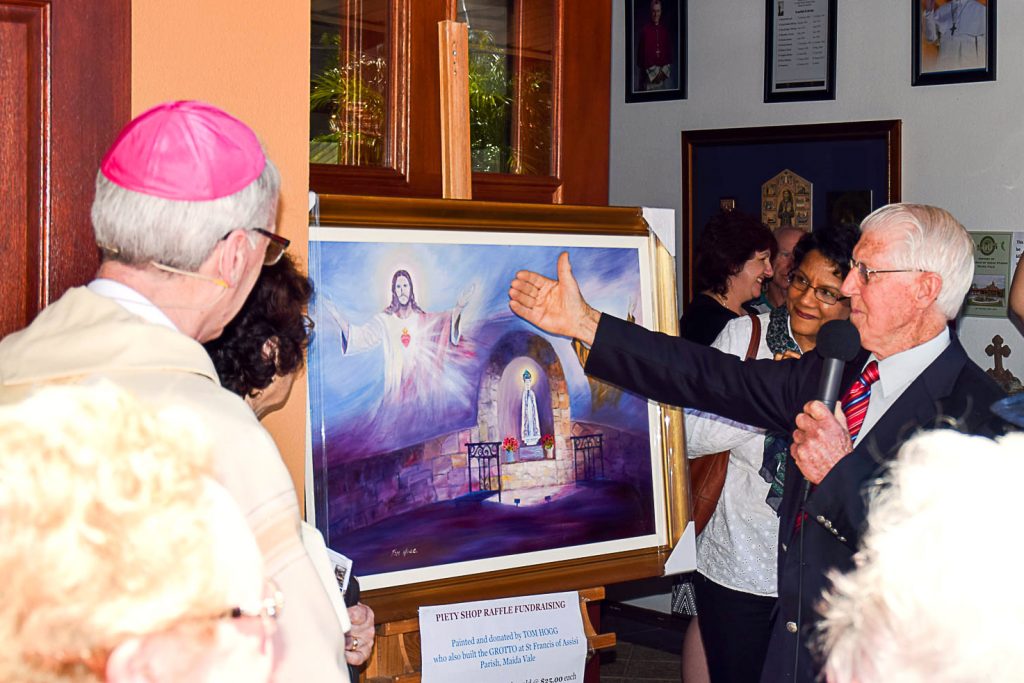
point(457, 452)
point(954, 41)
point(800, 50)
point(847, 170)
point(655, 50)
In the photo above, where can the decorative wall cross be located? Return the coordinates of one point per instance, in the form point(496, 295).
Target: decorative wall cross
point(1001, 375)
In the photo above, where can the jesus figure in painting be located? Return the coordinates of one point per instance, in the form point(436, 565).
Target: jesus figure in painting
point(414, 341)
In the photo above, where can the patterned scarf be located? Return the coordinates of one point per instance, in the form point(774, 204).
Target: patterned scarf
point(776, 446)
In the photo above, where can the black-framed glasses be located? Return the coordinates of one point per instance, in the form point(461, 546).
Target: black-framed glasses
point(866, 273)
point(798, 281)
point(276, 248)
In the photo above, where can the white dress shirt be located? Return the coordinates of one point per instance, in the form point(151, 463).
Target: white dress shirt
point(895, 374)
point(131, 300)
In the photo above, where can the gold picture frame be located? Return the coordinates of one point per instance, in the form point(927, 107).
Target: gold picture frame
point(362, 240)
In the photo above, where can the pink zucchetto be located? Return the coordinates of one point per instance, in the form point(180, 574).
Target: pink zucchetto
point(188, 151)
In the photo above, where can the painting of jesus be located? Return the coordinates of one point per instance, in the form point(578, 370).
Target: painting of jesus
point(419, 373)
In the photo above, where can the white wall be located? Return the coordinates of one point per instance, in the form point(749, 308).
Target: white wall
point(963, 145)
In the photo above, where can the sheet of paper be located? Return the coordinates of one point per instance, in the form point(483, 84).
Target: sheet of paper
point(801, 45)
point(993, 265)
point(531, 639)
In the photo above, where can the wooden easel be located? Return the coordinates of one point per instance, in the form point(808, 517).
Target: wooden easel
point(396, 653)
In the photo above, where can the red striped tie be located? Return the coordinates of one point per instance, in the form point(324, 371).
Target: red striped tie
point(855, 400)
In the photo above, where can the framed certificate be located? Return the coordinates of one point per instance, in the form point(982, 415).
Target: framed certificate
point(800, 50)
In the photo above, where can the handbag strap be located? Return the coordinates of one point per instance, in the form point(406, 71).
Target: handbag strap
point(755, 337)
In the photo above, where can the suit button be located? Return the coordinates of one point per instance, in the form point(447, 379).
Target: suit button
point(835, 533)
point(791, 626)
point(821, 519)
point(842, 539)
point(828, 524)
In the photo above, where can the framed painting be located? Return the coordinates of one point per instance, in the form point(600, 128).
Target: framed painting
point(803, 176)
point(655, 50)
point(800, 50)
point(456, 451)
point(954, 41)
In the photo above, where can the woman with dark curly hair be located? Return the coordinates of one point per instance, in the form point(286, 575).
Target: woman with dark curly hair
point(257, 357)
point(262, 349)
point(733, 262)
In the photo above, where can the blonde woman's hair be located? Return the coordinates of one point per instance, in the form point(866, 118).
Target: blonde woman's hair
point(104, 529)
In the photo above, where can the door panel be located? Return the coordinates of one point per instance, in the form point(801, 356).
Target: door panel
point(65, 74)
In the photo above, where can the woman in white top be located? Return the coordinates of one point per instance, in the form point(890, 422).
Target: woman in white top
point(737, 551)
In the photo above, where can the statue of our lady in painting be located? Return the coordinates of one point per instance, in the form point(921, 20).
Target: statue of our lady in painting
point(530, 421)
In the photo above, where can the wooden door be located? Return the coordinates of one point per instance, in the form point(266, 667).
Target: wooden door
point(65, 70)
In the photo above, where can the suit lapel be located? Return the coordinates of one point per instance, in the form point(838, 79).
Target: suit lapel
point(916, 408)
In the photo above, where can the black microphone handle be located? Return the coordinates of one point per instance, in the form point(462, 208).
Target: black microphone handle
point(831, 376)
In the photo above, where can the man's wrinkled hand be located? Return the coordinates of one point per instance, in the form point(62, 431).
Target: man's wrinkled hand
point(555, 306)
point(359, 640)
point(819, 441)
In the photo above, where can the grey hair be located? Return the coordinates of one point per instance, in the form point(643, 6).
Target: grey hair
point(136, 228)
point(935, 595)
point(933, 241)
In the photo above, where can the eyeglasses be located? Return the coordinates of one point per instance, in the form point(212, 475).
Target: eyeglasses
point(95, 659)
point(262, 615)
point(822, 294)
point(267, 608)
point(866, 273)
point(276, 248)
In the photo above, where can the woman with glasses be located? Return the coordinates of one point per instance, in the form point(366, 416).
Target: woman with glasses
point(737, 553)
point(258, 357)
point(122, 559)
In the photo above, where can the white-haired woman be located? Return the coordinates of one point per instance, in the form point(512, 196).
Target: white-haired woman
point(935, 596)
point(122, 559)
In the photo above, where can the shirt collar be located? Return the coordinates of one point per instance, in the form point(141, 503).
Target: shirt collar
point(131, 300)
point(900, 369)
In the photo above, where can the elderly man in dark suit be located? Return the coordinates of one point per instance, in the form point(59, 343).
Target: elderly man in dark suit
point(910, 272)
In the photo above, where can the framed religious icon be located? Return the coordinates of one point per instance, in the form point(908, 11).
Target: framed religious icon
point(786, 202)
point(806, 176)
point(954, 41)
point(655, 50)
point(800, 50)
point(457, 452)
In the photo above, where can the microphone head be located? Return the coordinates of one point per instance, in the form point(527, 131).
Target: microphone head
point(838, 339)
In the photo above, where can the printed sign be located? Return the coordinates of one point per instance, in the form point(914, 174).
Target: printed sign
point(532, 639)
point(992, 255)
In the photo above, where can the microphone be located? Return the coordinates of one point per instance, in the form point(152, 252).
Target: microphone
point(838, 343)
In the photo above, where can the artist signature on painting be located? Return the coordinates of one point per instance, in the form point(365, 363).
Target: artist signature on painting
point(403, 552)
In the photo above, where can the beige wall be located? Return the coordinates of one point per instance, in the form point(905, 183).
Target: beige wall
point(252, 59)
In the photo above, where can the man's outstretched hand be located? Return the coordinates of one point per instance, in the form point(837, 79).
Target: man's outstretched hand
point(555, 306)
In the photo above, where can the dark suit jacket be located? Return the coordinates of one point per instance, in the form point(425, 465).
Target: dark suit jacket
point(770, 394)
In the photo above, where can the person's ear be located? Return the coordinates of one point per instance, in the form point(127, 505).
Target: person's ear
point(127, 664)
point(270, 349)
point(233, 257)
point(929, 286)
